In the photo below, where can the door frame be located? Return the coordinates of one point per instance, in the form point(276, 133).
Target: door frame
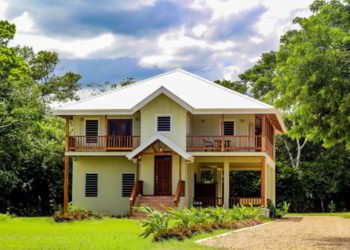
point(170, 175)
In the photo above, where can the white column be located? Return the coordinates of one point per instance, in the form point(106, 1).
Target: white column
point(226, 183)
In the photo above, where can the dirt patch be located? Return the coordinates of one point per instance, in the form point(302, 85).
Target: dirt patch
point(317, 232)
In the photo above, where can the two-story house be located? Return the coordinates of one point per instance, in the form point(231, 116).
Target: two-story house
point(171, 139)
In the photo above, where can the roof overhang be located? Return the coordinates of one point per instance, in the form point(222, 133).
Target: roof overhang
point(165, 140)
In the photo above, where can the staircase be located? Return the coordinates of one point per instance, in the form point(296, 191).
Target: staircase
point(161, 203)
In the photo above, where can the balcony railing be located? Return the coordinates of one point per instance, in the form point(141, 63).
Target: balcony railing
point(102, 143)
point(230, 143)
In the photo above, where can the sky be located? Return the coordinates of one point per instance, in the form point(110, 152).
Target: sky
point(110, 40)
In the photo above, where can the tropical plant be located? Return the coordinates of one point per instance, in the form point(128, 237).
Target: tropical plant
point(155, 223)
point(332, 207)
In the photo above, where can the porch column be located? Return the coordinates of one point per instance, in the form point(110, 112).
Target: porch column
point(66, 169)
point(226, 183)
point(66, 185)
point(263, 181)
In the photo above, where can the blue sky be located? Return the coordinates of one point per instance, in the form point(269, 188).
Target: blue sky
point(111, 40)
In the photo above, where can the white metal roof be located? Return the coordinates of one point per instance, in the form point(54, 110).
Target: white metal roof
point(172, 145)
point(192, 91)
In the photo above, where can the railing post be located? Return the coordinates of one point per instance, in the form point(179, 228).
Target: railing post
point(263, 134)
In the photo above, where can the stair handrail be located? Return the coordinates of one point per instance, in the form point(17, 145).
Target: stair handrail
point(179, 191)
point(136, 190)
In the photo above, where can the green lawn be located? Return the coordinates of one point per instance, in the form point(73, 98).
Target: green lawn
point(341, 214)
point(44, 233)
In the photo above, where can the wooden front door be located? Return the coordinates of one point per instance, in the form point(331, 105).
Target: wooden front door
point(162, 175)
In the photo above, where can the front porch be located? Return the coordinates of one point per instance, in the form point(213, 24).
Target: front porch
point(210, 181)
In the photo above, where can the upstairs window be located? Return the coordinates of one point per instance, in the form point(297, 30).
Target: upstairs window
point(163, 123)
point(91, 131)
point(229, 127)
point(91, 185)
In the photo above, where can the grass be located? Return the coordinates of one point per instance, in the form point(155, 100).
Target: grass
point(340, 214)
point(44, 233)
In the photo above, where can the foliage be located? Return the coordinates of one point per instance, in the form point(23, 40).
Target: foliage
point(238, 86)
point(188, 222)
point(31, 141)
point(75, 214)
point(332, 207)
point(312, 79)
point(282, 209)
point(260, 76)
point(108, 86)
point(156, 222)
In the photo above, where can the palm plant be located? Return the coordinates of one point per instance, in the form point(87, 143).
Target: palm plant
point(155, 223)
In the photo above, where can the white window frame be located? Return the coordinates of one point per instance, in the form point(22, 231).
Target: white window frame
point(156, 123)
point(234, 127)
point(98, 184)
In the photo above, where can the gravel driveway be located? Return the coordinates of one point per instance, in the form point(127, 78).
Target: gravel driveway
point(309, 232)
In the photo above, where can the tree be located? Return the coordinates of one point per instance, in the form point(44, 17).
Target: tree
point(238, 86)
point(312, 80)
point(260, 76)
point(108, 86)
point(31, 141)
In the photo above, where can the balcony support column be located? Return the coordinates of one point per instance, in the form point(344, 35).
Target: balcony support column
point(263, 181)
point(226, 183)
point(263, 133)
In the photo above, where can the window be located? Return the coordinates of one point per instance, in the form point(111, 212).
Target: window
point(128, 181)
point(91, 185)
point(163, 123)
point(91, 131)
point(229, 127)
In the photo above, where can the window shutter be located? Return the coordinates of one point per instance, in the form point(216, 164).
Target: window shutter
point(91, 185)
point(163, 123)
point(91, 131)
point(128, 181)
point(229, 128)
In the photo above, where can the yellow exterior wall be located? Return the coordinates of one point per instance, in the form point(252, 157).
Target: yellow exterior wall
point(109, 169)
point(163, 105)
point(210, 124)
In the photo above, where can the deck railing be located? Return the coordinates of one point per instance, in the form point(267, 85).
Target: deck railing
point(229, 143)
point(245, 201)
point(103, 143)
point(233, 201)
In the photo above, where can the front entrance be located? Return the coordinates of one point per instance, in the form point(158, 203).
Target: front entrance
point(162, 175)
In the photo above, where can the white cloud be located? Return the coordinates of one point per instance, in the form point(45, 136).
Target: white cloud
point(191, 47)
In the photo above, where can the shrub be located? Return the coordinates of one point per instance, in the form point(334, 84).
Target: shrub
point(332, 207)
point(282, 209)
point(155, 223)
point(75, 214)
point(6, 216)
point(188, 217)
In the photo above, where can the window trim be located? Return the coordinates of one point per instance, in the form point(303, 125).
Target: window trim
point(98, 124)
point(98, 186)
point(234, 127)
point(156, 123)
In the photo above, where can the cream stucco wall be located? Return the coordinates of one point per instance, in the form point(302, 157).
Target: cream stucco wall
point(110, 170)
point(210, 124)
point(163, 105)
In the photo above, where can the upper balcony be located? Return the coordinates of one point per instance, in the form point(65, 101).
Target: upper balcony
point(205, 133)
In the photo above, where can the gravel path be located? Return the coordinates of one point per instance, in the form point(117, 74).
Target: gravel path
point(313, 232)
